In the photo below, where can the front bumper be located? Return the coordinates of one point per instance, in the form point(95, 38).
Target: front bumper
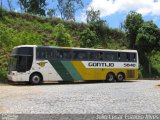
point(12, 78)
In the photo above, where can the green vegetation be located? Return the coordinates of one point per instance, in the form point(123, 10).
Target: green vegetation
point(147, 39)
point(88, 38)
point(132, 24)
point(17, 29)
point(62, 36)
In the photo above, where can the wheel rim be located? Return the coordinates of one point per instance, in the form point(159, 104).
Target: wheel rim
point(111, 77)
point(120, 77)
point(36, 79)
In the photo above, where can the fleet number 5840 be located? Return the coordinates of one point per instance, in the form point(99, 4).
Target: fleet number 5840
point(129, 65)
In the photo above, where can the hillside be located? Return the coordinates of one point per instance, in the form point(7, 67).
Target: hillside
point(19, 29)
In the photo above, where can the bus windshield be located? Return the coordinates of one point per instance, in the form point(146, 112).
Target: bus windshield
point(12, 63)
point(21, 59)
point(18, 63)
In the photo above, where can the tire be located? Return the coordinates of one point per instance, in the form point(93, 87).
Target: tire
point(120, 77)
point(110, 77)
point(35, 79)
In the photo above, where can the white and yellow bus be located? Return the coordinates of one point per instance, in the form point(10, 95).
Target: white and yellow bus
point(37, 64)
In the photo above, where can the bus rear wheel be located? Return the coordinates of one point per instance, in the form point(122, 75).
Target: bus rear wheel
point(35, 79)
point(110, 77)
point(120, 77)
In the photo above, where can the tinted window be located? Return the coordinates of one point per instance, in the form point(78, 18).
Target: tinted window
point(63, 54)
point(29, 63)
point(91, 55)
point(122, 57)
point(80, 55)
point(127, 57)
point(23, 51)
point(21, 64)
point(110, 56)
point(50, 53)
point(133, 57)
point(95, 55)
point(40, 53)
point(45, 53)
point(24, 63)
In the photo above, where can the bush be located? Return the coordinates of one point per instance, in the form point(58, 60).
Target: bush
point(62, 36)
point(3, 76)
point(88, 38)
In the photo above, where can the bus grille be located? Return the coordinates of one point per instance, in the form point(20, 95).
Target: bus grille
point(130, 73)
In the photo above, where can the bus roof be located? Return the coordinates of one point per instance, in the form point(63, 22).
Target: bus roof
point(76, 48)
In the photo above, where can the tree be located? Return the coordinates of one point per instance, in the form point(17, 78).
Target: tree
point(68, 8)
point(36, 7)
point(132, 24)
point(147, 40)
point(62, 36)
point(60, 7)
point(92, 15)
point(51, 12)
point(24, 5)
point(88, 38)
point(98, 25)
point(9, 4)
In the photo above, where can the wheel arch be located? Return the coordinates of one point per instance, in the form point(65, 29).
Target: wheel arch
point(124, 75)
point(36, 72)
point(111, 72)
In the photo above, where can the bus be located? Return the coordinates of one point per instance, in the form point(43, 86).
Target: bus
point(37, 64)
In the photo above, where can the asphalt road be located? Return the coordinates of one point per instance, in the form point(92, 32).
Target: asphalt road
point(82, 98)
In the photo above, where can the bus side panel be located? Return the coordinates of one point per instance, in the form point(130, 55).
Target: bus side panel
point(100, 73)
point(46, 69)
point(88, 73)
point(130, 73)
point(72, 70)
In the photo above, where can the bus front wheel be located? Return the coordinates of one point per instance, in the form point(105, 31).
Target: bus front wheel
point(120, 77)
point(35, 79)
point(110, 77)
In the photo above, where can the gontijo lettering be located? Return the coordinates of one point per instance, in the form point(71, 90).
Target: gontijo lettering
point(97, 64)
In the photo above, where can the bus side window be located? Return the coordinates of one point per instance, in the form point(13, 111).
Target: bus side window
point(37, 54)
point(63, 54)
point(50, 53)
point(66, 54)
point(133, 57)
point(44, 53)
point(40, 53)
point(95, 55)
point(128, 57)
point(91, 55)
point(58, 54)
point(123, 57)
point(110, 56)
point(80, 55)
point(99, 55)
point(119, 57)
